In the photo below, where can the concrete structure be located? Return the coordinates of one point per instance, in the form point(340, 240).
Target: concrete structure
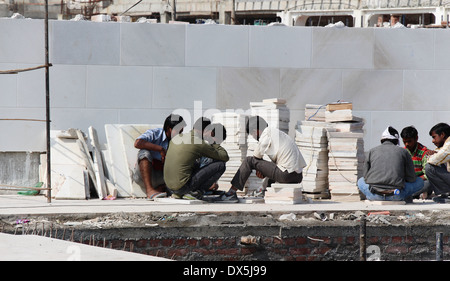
point(322, 230)
point(39, 248)
point(131, 73)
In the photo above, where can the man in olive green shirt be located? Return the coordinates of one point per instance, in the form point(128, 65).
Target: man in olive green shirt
point(181, 170)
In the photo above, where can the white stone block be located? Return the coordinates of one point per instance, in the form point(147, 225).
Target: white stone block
point(180, 87)
point(280, 46)
point(152, 44)
point(229, 47)
point(84, 42)
point(342, 48)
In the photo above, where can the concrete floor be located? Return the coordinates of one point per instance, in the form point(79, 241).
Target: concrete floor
point(17, 204)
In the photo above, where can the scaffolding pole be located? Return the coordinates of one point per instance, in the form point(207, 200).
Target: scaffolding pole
point(47, 106)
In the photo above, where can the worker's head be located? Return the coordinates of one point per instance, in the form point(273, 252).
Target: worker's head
point(173, 125)
point(439, 134)
point(391, 135)
point(202, 127)
point(218, 133)
point(410, 136)
point(255, 126)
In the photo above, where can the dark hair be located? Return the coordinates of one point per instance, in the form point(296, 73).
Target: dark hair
point(201, 123)
point(393, 132)
point(219, 131)
point(409, 132)
point(255, 123)
point(441, 128)
point(173, 120)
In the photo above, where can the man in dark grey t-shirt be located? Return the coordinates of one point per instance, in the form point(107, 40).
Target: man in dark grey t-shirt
point(389, 171)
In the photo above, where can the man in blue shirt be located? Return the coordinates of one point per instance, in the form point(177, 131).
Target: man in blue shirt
point(153, 145)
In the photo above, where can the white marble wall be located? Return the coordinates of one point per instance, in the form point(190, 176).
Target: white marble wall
point(108, 73)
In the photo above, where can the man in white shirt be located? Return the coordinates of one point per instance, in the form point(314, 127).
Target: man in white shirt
point(286, 165)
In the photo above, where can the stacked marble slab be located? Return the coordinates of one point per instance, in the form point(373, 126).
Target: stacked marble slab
point(235, 143)
point(274, 111)
point(346, 152)
point(315, 112)
point(311, 139)
point(284, 193)
point(277, 115)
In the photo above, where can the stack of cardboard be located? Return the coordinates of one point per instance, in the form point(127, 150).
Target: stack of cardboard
point(311, 139)
point(346, 152)
point(235, 143)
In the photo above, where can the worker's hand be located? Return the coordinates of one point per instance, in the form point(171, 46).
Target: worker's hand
point(162, 151)
point(430, 152)
point(259, 175)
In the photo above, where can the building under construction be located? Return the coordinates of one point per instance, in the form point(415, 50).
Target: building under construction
point(352, 13)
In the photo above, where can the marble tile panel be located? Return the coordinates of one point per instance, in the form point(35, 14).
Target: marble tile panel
point(152, 44)
point(31, 87)
point(237, 87)
point(310, 86)
point(217, 45)
point(17, 36)
point(403, 48)
point(373, 90)
point(85, 42)
point(179, 87)
point(441, 43)
point(367, 118)
point(342, 48)
point(119, 86)
point(68, 85)
point(143, 116)
point(280, 46)
point(399, 120)
point(22, 135)
point(440, 116)
point(8, 96)
point(426, 90)
point(82, 118)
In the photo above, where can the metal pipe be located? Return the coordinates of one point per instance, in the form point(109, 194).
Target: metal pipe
point(47, 106)
point(439, 246)
point(362, 239)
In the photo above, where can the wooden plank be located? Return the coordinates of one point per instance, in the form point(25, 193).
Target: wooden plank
point(339, 106)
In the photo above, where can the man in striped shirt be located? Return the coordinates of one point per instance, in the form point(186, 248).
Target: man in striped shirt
point(438, 164)
point(410, 138)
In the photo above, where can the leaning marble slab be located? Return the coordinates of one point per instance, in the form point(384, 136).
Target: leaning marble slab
point(123, 156)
